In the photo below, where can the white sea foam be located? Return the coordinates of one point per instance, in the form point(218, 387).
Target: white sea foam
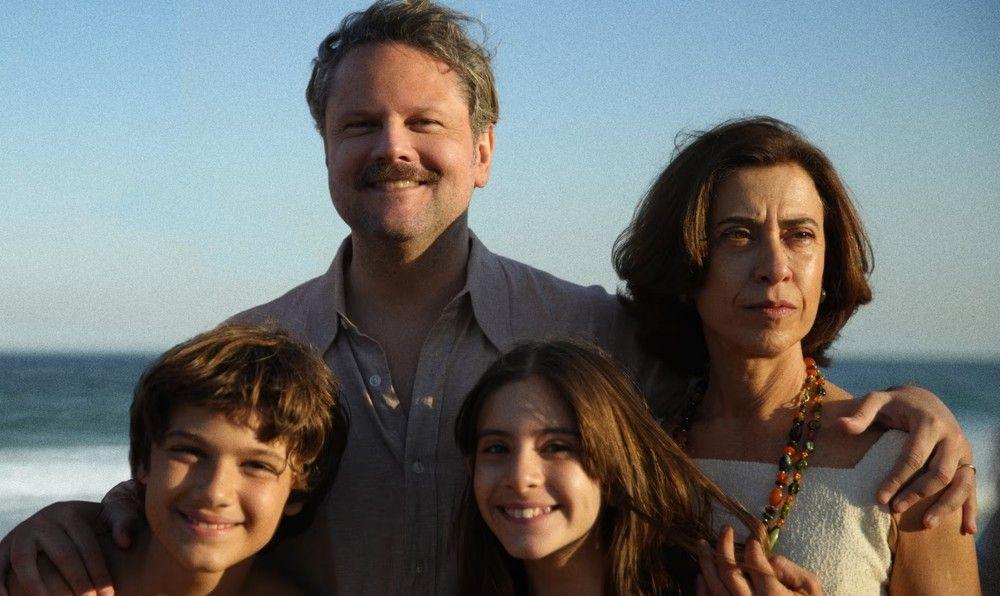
point(33, 478)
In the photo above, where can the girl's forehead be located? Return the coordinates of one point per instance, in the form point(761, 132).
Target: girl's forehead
point(525, 404)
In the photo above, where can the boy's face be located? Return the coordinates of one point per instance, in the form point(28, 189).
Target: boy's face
point(214, 493)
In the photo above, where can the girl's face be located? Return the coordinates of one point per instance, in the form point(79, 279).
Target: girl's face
point(528, 478)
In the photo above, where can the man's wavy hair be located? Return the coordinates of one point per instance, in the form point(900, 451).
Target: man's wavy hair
point(663, 255)
point(655, 502)
point(253, 374)
point(437, 30)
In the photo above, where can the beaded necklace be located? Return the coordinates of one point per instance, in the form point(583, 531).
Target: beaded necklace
point(793, 462)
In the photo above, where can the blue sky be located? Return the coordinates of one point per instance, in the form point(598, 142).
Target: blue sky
point(159, 170)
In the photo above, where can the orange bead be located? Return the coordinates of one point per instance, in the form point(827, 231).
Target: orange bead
point(780, 523)
point(809, 361)
point(804, 455)
point(797, 476)
point(789, 450)
point(790, 499)
point(782, 477)
point(776, 496)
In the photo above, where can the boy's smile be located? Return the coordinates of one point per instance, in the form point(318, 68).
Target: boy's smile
point(214, 492)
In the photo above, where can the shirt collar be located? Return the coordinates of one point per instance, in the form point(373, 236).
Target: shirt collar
point(485, 283)
point(489, 291)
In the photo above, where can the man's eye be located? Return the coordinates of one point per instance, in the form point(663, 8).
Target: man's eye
point(801, 235)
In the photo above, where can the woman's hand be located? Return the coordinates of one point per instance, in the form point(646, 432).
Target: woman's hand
point(66, 533)
point(936, 441)
point(756, 576)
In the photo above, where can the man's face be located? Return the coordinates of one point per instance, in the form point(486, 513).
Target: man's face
point(401, 156)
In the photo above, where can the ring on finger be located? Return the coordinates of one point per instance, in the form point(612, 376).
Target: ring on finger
point(960, 466)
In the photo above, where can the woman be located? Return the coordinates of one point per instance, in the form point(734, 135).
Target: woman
point(575, 488)
point(743, 262)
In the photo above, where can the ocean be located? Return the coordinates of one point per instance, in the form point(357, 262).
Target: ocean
point(64, 420)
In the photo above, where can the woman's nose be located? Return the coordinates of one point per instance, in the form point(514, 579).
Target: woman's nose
point(772, 262)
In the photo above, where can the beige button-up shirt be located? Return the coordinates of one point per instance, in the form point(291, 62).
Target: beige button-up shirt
point(387, 524)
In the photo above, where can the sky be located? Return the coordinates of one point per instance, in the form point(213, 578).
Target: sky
point(159, 170)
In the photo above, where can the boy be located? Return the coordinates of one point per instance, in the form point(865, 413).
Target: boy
point(230, 432)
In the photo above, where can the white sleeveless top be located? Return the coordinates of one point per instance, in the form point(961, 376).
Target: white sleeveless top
point(836, 530)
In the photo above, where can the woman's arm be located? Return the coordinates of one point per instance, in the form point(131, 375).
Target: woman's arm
point(940, 560)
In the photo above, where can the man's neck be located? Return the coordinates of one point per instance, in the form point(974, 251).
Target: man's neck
point(387, 277)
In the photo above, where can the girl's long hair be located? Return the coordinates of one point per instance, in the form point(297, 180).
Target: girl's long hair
point(656, 503)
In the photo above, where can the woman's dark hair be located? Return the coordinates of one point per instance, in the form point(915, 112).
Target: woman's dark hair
point(655, 503)
point(662, 256)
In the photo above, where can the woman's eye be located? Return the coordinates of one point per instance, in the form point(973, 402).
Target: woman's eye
point(736, 234)
point(801, 235)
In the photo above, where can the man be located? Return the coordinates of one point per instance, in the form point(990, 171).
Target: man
point(414, 308)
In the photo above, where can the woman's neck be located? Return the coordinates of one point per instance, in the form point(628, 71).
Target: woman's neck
point(752, 388)
point(150, 569)
point(579, 569)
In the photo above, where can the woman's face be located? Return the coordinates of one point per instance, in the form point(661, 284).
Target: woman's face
point(528, 478)
point(765, 269)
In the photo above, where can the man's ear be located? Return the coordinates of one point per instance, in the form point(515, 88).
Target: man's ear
point(141, 474)
point(484, 156)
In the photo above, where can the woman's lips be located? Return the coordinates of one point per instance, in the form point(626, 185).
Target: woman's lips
point(772, 310)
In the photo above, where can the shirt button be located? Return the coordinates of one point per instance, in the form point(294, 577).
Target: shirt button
point(374, 380)
point(418, 467)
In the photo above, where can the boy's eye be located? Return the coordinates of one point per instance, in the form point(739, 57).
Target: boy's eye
point(260, 468)
point(185, 453)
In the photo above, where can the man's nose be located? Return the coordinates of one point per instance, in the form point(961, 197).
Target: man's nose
point(773, 261)
point(394, 142)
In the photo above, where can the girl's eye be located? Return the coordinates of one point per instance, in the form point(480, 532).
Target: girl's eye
point(493, 448)
point(558, 447)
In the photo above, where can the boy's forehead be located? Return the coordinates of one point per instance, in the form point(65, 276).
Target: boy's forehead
point(230, 429)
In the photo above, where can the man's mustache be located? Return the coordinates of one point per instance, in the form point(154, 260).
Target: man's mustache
point(381, 172)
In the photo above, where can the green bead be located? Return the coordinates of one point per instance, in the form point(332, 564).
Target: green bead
point(810, 446)
point(772, 537)
point(785, 463)
point(785, 509)
point(801, 465)
point(793, 488)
